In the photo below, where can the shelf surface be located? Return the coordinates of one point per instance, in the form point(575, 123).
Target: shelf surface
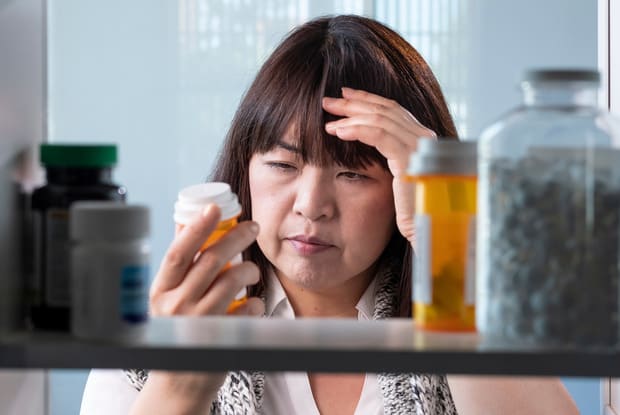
point(319, 345)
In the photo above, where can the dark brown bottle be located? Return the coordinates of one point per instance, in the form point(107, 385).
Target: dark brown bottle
point(74, 172)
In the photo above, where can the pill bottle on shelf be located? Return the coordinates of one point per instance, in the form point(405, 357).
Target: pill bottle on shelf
point(191, 202)
point(109, 269)
point(73, 172)
point(444, 175)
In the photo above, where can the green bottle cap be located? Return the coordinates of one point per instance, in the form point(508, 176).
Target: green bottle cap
point(78, 155)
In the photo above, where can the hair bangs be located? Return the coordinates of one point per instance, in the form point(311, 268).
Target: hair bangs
point(307, 123)
point(320, 148)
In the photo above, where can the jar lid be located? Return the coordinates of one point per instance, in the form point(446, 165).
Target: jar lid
point(78, 155)
point(107, 220)
point(562, 75)
point(193, 199)
point(444, 156)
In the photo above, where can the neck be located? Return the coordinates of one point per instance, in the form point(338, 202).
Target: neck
point(337, 301)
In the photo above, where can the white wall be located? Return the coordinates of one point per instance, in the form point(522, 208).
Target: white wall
point(510, 36)
point(21, 125)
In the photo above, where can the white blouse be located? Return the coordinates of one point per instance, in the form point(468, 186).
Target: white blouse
point(290, 392)
point(108, 391)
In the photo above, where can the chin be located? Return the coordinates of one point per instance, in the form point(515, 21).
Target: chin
point(312, 279)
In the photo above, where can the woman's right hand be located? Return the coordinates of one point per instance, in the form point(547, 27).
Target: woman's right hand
point(191, 283)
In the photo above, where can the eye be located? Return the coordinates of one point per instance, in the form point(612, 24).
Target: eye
point(353, 176)
point(278, 165)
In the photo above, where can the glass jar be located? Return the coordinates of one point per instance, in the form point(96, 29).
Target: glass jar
point(549, 217)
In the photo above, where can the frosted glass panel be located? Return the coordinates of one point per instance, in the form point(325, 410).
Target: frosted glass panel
point(162, 79)
point(439, 30)
point(479, 48)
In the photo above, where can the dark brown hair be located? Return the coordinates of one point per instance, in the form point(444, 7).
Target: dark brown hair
point(316, 60)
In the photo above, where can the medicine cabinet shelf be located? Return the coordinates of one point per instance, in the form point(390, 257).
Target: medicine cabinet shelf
point(323, 345)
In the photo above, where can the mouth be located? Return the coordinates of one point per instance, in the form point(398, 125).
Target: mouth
point(308, 245)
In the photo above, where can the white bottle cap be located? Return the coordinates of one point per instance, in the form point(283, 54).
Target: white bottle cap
point(193, 199)
point(443, 156)
point(106, 220)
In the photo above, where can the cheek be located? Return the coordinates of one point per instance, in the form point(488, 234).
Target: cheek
point(258, 193)
point(380, 221)
point(377, 220)
point(372, 219)
point(265, 205)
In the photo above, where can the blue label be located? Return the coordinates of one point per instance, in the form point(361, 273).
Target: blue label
point(134, 293)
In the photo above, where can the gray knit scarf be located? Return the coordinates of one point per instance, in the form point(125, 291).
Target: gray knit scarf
point(403, 393)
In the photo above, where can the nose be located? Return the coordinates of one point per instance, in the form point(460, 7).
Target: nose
point(315, 199)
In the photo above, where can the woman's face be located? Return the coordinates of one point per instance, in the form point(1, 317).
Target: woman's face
point(319, 226)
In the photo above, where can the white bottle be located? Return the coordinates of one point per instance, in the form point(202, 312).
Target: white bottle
point(109, 269)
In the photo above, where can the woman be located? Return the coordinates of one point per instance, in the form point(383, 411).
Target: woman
point(316, 152)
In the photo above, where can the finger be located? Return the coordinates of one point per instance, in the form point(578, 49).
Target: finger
point(350, 108)
point(225, 287)
point(217, 256)
point(379, 105)
point(404, 202)
point(367, 96)
point(358, 101)
point(390, 130)
point(169, 303)
point(254, 306)
point(389, 146)
point(383, 103)
point(182, 250)
point(407, 127)
point(359, 94)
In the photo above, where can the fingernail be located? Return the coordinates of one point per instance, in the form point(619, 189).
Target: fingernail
point(345, 89)
point(330, 127)
point(207, 210)
point(328, 100)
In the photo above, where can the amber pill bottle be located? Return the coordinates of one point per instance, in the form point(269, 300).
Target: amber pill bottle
point(191, 202)
point(444, 175)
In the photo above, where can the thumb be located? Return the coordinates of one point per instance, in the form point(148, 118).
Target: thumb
point(404, 201)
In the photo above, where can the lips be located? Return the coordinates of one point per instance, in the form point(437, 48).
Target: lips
point(309, 245)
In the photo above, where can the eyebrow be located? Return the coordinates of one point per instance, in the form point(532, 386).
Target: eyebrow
point(288, 147)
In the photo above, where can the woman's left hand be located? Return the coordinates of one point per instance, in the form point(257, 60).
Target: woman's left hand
point(392, 130)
